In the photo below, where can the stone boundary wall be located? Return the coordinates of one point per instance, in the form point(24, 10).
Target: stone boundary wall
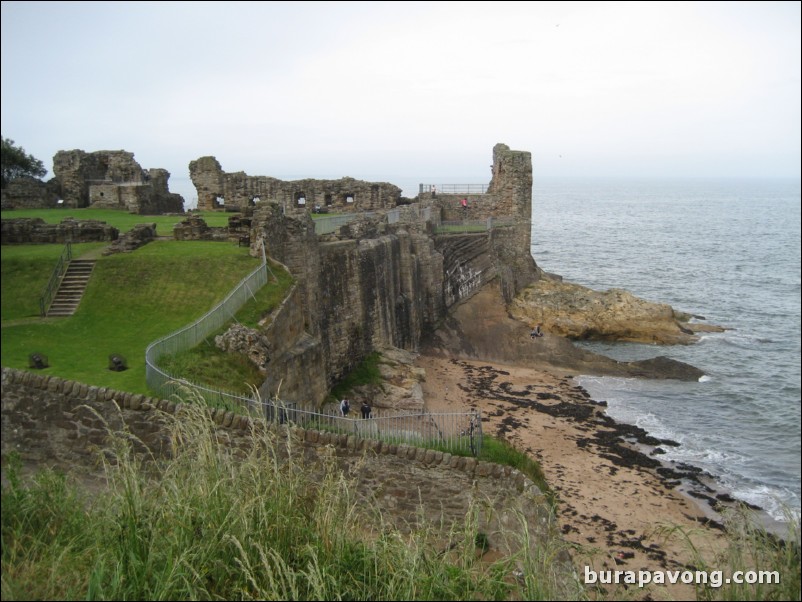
point(31, 402)
point(64, 424)
point(34, 230)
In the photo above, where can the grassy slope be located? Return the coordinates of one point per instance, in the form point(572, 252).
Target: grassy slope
point(132, 299)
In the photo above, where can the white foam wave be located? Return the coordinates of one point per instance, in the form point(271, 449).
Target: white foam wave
point(781, 505)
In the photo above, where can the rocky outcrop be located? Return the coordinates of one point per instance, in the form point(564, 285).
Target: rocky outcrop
point(480, 329)
point(400, 389)
point(251, 343)
point(579, 313)
point(28, 230)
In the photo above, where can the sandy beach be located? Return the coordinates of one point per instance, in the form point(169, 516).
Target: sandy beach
point(614, 499)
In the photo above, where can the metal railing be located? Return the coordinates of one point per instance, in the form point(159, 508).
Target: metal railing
point(453, 188)
point(451, 432)
point(482, 225)
point(165, 384)
point(328, 224)
point(55, 279)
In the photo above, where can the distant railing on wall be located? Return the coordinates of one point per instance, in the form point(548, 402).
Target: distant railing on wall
point(330, 223)
point(453, 188)
point(55, 279)
point(482, 225)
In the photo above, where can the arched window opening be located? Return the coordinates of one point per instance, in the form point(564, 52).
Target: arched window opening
point(300, 199)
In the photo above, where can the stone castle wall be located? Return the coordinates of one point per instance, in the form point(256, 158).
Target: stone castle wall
point(237, 191)
point(376, 284)
point(52, 422)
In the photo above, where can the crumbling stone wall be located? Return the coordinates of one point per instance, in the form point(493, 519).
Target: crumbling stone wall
point(113, 180)
point(237, 191)
point(29, 193)
point(26, 230)
point(196, 228)
point(138, 236)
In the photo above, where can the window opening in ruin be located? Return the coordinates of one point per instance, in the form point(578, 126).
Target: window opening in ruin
point(328, 200)
point(220, 200)
point(253, 201)
point(301, 199)
point(349, 198)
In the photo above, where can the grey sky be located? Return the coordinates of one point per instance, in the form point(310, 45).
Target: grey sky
point(409, 90)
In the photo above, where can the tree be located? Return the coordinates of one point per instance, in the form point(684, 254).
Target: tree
point(17, 163)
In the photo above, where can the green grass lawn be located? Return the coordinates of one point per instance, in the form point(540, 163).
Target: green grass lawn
point(122, 220)
point(132, 299)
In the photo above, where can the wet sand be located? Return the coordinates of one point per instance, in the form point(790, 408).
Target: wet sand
point(615, 499)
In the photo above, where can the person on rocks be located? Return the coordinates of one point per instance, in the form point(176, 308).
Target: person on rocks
point(464, 203)
point(537, 331)
point(345, 407)
point(366, 410)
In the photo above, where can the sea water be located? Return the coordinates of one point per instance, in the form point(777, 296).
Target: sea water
point(726, 250)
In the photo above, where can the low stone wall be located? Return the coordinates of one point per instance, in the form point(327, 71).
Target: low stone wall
point(26, 230)
point(50, 421)
point(196, 228)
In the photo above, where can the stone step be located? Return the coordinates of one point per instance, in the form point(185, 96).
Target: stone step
point(71, 289)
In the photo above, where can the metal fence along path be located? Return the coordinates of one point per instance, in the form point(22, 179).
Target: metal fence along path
point(456, 432)
point(453, 432)
point(165, 384)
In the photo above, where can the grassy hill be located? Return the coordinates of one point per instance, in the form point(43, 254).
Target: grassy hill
point(132, 299)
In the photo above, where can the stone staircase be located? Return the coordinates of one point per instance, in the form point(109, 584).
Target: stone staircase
point(72, 288)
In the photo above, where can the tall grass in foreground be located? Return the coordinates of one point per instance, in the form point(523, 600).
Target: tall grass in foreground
point(749, 552)
point(219, 522)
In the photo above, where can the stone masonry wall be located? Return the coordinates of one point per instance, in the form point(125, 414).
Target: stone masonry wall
point(113, 179)
point(27, 230)
point(64, 424)
point(239, 191)
point(29, 193)
point(376, 284)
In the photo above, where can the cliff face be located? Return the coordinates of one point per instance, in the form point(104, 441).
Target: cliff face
point(380, 282)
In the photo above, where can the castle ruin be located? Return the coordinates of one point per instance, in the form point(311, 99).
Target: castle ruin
point(100, 179)
point(218, 190)
point(388, 277)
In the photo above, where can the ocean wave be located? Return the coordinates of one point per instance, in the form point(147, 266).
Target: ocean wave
point(782, 505)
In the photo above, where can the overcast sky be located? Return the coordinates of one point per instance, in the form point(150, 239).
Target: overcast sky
point(389, 91)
